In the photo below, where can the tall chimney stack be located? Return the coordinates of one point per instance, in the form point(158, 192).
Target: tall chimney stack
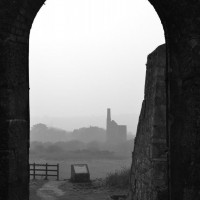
point(108, 124)
point(108, 115)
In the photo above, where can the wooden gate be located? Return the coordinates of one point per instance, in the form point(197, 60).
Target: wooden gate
point(43, 169)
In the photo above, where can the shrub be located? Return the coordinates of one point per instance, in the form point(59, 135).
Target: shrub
point(119, 179)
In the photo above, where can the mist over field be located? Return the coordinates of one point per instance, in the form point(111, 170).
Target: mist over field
point(84, 143)
point(95, 52)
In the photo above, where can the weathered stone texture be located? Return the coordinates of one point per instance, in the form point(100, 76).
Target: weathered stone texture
point(149, 167)
point(14, 121)
point(16, 19)
point(181, 22)
point(180, 19)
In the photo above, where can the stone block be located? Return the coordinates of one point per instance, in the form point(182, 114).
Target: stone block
point(80, 173)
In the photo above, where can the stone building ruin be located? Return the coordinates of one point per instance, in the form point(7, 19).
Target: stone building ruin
point(180, 20)
point(115, 134)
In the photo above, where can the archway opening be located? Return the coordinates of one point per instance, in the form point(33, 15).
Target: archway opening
point(86, 56)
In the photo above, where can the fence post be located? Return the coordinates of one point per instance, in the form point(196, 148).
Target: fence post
point(33, 171)
point(57, 171)
point(46, 178)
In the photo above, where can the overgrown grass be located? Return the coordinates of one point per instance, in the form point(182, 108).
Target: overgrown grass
point(118, 179)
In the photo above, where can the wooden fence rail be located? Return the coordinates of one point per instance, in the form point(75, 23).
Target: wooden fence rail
point(34, 168)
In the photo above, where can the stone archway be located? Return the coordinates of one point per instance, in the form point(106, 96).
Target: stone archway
point(15, 24)
point(180, 19)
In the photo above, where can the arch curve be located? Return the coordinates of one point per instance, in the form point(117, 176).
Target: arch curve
point(180, 19)
point(15, 24)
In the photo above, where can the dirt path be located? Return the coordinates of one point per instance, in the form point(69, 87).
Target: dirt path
point(65, 190)
point(83, 191)
point(50, 190)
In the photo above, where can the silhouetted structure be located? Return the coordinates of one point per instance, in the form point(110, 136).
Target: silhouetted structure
point(115, 133)
point(181, 25)
point(149, 163)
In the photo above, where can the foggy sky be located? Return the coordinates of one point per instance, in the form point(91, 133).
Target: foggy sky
point(90, 55)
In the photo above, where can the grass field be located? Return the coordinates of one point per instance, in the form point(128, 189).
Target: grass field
point(98, 168)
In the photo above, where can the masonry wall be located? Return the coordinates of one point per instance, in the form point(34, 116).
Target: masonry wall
point(16, 20)
point(180, 19)
point(149, 164)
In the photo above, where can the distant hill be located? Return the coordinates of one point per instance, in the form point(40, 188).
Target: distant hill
point(90, 134)
point(42, 133)
point(54, 143)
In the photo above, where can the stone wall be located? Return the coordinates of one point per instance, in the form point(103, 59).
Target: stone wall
point(16, 20)
point(149, 165)
point(180, 19)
